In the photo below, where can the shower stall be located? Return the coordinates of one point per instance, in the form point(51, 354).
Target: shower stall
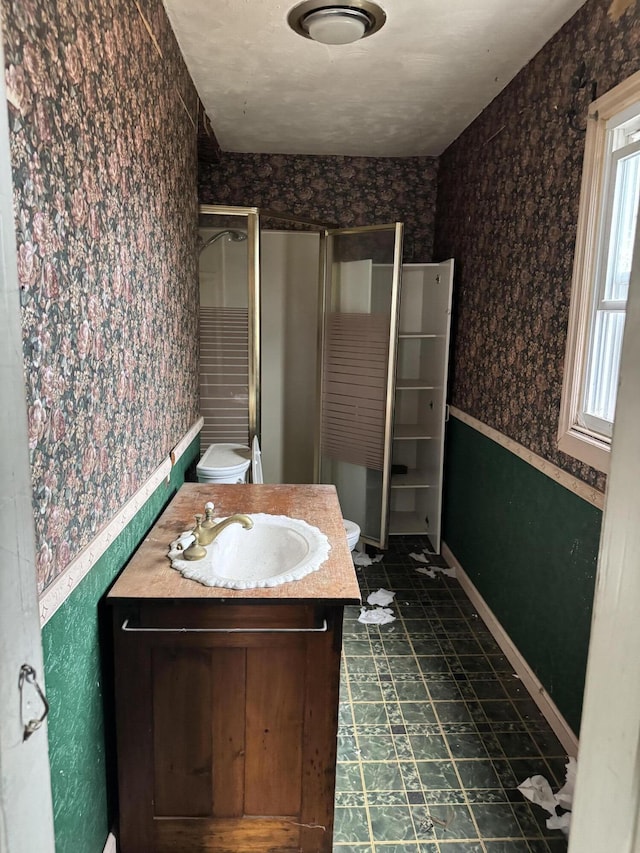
point(298, 334)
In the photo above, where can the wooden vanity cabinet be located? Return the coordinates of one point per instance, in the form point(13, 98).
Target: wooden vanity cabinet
point(226, 719)
point(226, 741)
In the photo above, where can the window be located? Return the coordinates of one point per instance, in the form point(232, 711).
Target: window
point(602, 268)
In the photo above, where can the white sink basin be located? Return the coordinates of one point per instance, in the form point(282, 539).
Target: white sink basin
point(276, 550)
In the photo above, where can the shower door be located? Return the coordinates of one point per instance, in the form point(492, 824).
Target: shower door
point(360, 318)
point(229, 281)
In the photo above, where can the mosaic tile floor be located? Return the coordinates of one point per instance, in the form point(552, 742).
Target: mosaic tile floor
point(435, 730)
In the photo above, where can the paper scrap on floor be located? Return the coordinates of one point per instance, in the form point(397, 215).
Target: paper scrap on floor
point(430, 573)
point(564, 797)
point(377, 616)
point(432, 570)
point(362, 559)
point(382, 597)
point(538, 790)
point(562, 822)
point(420, 558)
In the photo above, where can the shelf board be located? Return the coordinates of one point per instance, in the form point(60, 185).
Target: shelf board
point(404, 523)
point(415, 479)
point(408, 431)
point(416, 385)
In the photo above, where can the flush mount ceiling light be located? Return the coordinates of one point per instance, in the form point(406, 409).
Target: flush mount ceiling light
point(336, 23)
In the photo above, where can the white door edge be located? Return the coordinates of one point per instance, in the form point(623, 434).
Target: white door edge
point(607, 800)
point(26, 815)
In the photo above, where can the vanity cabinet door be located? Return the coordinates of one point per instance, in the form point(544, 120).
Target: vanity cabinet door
point(227, 741)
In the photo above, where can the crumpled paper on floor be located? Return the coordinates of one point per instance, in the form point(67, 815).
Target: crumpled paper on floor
point(362, 559)
point(377, 616)
point(420, 558)
point(538, 791)
point(432, 570)
point(382, 597)
point(562, 822)
point(429, 572)
point(564, 797)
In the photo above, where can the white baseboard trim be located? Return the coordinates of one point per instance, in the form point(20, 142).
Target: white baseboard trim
point(110, 846)
point(529, 679)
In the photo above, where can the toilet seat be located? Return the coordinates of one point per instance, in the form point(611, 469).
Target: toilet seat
point(256, 461)
point(224, 463)
point(353, 533)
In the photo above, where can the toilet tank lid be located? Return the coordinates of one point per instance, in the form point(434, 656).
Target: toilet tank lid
point(230, 456)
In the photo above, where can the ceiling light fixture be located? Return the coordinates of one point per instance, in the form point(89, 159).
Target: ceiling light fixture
point(336, 23)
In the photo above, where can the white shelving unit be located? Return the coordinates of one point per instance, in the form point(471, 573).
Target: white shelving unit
point(420, 400)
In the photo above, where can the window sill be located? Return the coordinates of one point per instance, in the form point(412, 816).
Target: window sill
point(588, 448)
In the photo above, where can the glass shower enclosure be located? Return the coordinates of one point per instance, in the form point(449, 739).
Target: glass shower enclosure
point(318, 349)
point(229, 336)
point(259, 279)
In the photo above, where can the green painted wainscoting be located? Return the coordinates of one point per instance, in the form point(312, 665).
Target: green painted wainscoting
point(78, 669)
point(530, 547)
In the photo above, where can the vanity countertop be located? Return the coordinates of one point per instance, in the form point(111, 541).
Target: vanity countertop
point(149, 574)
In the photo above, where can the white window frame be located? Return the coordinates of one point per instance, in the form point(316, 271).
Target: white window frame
point(574, 438)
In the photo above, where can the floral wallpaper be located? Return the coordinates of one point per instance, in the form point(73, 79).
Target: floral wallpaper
point(507, 211)
point(344, 191)
point(102, 119)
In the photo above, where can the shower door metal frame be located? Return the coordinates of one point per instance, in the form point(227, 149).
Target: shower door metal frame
point(326, 269)
point(254, 224)
point(253, 305)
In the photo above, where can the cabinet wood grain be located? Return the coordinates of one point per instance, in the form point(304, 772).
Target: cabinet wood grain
point(222, 735)
point(182, 732)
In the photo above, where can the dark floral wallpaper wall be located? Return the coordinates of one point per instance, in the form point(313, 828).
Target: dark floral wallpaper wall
point(343, 191)
point(507, 211)
point(102, 119)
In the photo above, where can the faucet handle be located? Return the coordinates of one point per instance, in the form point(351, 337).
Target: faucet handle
point(208, 516)
point(195, 551)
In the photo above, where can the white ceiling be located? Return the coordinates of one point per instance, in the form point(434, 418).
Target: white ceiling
point(408, 90)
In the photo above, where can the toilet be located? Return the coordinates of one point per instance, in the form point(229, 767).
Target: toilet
point(353, 533)
point(352, 530)
point(224, 463)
